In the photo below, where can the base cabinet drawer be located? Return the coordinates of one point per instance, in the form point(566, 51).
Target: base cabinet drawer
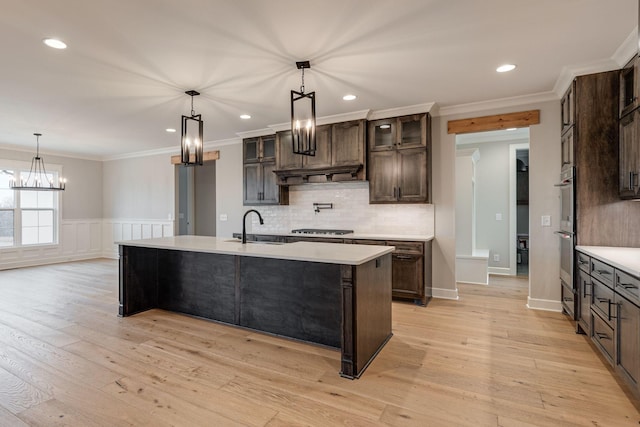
point(602, 335)
point(603, 302)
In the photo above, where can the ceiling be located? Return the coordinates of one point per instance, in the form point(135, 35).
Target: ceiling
point(121, 81)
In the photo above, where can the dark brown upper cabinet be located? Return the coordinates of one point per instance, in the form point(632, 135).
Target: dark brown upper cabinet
point(259, 180)
point(629, 151)
point(340, 155)
point(629, 87)
point(568, 110)
point(399, 160)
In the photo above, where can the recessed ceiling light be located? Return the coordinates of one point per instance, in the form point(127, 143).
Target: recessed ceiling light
point(170, 130)
point(506, 67)
point(245, 116)
point(349, 97)
point(511, 129)
point(55, 43)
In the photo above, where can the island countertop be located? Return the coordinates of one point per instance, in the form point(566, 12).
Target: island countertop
point(329, 253)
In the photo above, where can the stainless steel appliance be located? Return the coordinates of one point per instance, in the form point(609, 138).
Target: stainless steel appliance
point(567, 234)
point(321, 231)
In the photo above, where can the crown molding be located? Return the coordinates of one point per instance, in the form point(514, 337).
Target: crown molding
point(21, 149)
point(326, 120)
point(620, 57)
point(569, 73)
point(401, 111)
point(474, 107)
point(171, 150)
point(255, 133)
point(627, 49)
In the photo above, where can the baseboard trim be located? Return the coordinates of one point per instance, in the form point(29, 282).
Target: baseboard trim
point(445, 293)
point(47, 261)
point(544, 304)
point(501, 271)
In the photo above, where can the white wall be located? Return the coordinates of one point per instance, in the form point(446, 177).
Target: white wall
point(544, 156)
point(465, 176)
point(82, 198)
point(229, 189)
point(139, 188)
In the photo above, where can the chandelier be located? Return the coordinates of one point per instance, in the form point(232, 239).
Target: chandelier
point(191, 146)
point(303, 118)
point(38, 178)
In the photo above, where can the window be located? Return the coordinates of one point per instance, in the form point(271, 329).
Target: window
point(27, 217)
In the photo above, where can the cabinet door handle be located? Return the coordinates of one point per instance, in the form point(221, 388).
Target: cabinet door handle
point(402, 257)
point(628, 286)
point(602, 336)
point(582, 262)
point(567, 299)
point(632, 180)
point(395, 192)
point(399, 193)
point(602, 299)
point(609, 310)
point(584, 288)
point(603, 272)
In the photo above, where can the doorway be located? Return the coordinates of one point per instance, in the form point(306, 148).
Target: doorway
point(498, 211)
point(196, 199)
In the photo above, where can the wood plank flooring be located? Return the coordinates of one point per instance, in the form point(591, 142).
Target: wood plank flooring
point(485, 360)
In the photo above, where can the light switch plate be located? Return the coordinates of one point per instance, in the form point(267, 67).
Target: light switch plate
point(223, 217)
point(546, 220)
point(498, 217)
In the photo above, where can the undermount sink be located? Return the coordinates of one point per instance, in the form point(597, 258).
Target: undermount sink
point(255, 243)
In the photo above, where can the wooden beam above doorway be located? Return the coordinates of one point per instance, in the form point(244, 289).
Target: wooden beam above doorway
point(207, 156)
point(495, 122)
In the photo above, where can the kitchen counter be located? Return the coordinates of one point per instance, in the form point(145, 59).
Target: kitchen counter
point(626, 259)
point(331, 253)
point(363, 236)
point(332, 294)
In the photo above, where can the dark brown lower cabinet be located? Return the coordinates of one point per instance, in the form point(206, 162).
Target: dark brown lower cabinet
point(610, 314)
point(628, 334)
point(408, 272)
point(584, 302)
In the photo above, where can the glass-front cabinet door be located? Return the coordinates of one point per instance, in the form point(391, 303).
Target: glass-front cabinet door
point(382, 134)
point(412, 131)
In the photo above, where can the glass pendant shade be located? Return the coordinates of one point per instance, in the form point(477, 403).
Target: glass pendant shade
point(191, 145)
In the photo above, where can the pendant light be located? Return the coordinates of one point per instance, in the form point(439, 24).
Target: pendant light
point(303, 118)
point(38, 179)
point(191, 146)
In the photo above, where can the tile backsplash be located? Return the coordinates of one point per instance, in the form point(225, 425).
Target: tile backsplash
point(351, 210)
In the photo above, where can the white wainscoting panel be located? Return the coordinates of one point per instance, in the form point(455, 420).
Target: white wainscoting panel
point(85, 239)
point(114, 230)
point(78, 239)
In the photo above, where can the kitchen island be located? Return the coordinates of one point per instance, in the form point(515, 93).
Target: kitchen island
point(336, 295)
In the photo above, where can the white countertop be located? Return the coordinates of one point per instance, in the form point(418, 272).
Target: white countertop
point(625, 259)
point(371, 236)
point(330, 253)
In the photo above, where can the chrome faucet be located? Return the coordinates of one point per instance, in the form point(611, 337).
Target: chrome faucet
point(244, 224)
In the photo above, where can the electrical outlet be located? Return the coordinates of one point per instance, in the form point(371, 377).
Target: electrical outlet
point(546, 220)
point(496, 257)
point(223, 217)
point(498, 217)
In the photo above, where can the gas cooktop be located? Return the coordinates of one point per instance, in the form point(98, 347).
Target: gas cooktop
point(320, 231)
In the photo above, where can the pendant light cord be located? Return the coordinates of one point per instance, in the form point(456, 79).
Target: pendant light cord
point(302, 86)
point(193, 112)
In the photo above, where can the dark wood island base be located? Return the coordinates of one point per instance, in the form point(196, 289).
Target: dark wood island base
point(347, 307)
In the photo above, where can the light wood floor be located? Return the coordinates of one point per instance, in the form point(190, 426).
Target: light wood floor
point(485, 360)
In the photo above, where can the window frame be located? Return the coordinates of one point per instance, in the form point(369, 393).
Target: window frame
point(24, 167)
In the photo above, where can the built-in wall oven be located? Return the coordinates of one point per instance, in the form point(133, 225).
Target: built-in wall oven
point(567, 234)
